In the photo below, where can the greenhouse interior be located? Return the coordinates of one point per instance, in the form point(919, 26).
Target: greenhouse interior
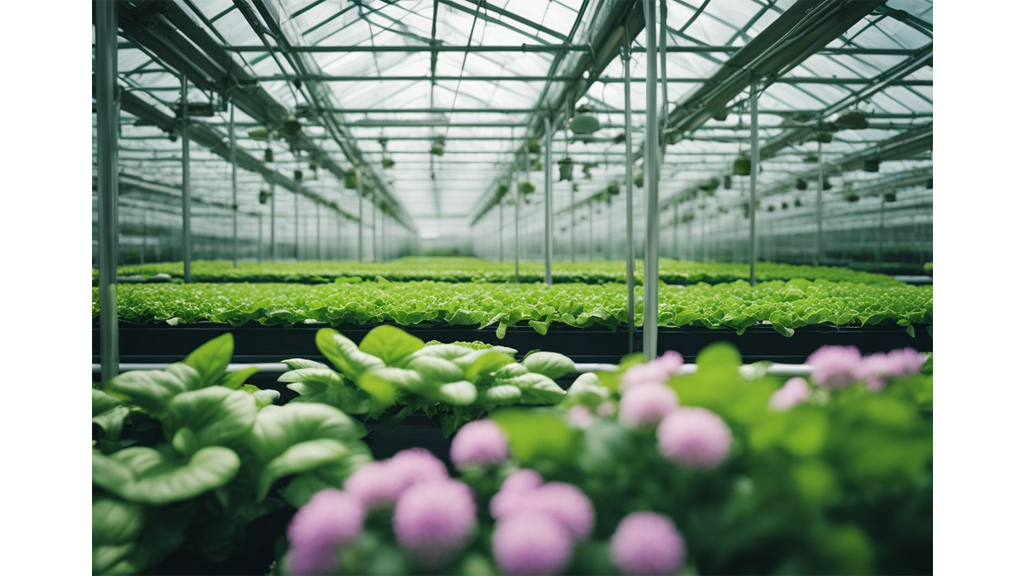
point(512, 287)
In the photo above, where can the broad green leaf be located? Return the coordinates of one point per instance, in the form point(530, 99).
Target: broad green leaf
point(216, 415)
point(486, 363)
point(433, 369)
point(108, 414)
point(540, 327)
point(150, 390)
point(390, 344)
point(116, 525)
point(262, 397)
point(297, 363)
point(719, 357)
point(279, 427)
point(344, 353)
point(236, 378)
point(460, 393)
point(535, 388)
point(550, 364)
point(446, 351)
point(535, 434)
point(211, 359)
point(323, 375)
point(501, 395)
point(148, 476)
point(299, 458)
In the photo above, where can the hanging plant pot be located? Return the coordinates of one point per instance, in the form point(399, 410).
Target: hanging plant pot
point(727, 182)
point(853, 120)
point(259, 132)
point(502, 190)
point(264, 196)
point(801, 184)
point(741, 166)
point(826, 185)
point(709, 185)
point(297, 175)
point(785, 206)
point(613, 187)
point(351, 179)
point(583, 122)
point(771, 208)
point(811, 158)
point(871, 165)
point(889, 197)
point(268, 155)
point(638, 179)
point(722, 114)
point(797, 203)
point(533, 146)
point(823, 137)
point(565, 169)
point(437, 149)
point(575, 187)
point(620, 138)
point(536, 166)
point(851, 198)
point(388, 163)
point(290, 127)
point(527, 187)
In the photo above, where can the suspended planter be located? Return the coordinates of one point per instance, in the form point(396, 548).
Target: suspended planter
point(727, 182)
point(722, 114)
point(785, 206)
point(575, 187)
point(854, 120)
point(351, 179)
point(264, 196)
point(527, 187)
point(613, 187)
point(259, 132)
point(851, 198)
point(889, 197)
point(533, 146)
point(823, 137)
point(771, 208)
point(388, 163)
point(437, 148)
point(297, 175)
point(502, 190)
point(871, 165)
point(801, 184)
point(536, 166)
point(741, 166)
point(826, 185)
point(619, 138)
point(709, 186)
point(797, 203)
point(583, 122)
point(811, 158)
point(638, 179)
point(268, 155)
point(290, 127)
point(565, 169)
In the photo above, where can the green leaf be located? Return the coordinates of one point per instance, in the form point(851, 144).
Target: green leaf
point(535, 434)
point(344, 353)
point(216, 416)
point(150, 390)
point(302, 457)
point(262, 397)
point(322, 375)
point(148, 476)
point(236, 378)
point(540, 327)
point(116, 525)
point(279, 427)
point(211, 359)
point(501, 395)
point(108, 414)
point(499, 332)
point(297, 363)
point(433, 369)
point(487, 363)
point(719, 357)
point(550, 364)
point(535, 388)
point(390, 344)
point(462, 393)
point(784, 330)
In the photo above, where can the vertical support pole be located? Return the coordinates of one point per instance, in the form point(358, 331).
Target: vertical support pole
point(651, 153)
point(145, 237)
point(754, 162)
point(501, 230)
point(234, 189)
point(819, 252)
point(297, 256)
point(273, 222)
point(675, 230)
point(319, 256)
point(373, 225)
point(337, 233)
point(360, 243)
point(590, 221)
point(881, 231)
point(630, 252)
point(526, 160)
point(259, 238)
point(549, 240)
point(186, 185)
point(106, 160)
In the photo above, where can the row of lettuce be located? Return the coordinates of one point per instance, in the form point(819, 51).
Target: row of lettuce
point(455, 269)
point(638, 471)
point(786, 306)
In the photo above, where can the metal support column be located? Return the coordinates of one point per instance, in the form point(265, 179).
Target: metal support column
point(590, 221)
point(881, 230)
point(630, 253)
point(259, 238)
point(145, 237)
point(273, 222)
point(549, 240)
point(651, 153)
point(186, 185)
point(337, 240)
point(819, 252)
point(526, 166)
point(501, 230)
point(106, 160)
point(319, 256)
point(360, 242)
point(754, 162)
point(296, 226)
point(234, 189)
point(675, 230)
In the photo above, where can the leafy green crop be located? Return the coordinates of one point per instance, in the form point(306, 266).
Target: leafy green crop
point(203, 458)
point(441, 269)
point(391, 368)
point(786, 305)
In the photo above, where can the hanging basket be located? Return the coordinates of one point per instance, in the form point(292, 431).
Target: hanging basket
point(722, 114)
point(709, 186)
point(297, 175)
point(811, 158)
point(797, 203)
point(565, 169)
point(771, 208)
point(533, 146)
point(527, 187)
point(583, 122)
point(536, 166)
point(853, 120)
point(437, 149)
point(388, 163)
point(502, 190)
point(727, 182)
point(613, 188)
point(638, 179)
point(889, 197)
point(871, 165)
point(823, 137)
point(264, 196)
point(741, 166)
point(785, 206)
point(851, 198)
point(268, 155)
point(351, 179)
point(619, 138)
point(826, 185)
point(259, 132)
point(801, 184)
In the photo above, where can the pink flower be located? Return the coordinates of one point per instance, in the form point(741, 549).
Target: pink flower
point(794, 391)
point(605, 409)
point(515, 490)
point(835, 366)
point(568, 505)
point(434, 520)
point(647, 405)
point(905, 362)
point(415, 465)
point(874, 371)
point(580, 416)
point(522, 481)
point(379, 484)
point(658, 370)
point(694, 438)
point(647, 543)
point(329, 520)
point(531, 543)
point(480, 443)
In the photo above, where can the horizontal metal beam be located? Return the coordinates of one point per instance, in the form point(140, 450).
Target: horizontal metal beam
point(606, 79)
point(539, 48)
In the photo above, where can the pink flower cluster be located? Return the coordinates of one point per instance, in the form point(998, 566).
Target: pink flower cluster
point(794, 391)
point(837, 367)
point(434, 516)
point(658, 370)
point(647, 543)
point(694, 438)
point(481, 443)
point(538, 523)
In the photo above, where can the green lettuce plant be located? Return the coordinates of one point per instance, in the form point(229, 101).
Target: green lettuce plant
point(393, 372)
point(190, 455)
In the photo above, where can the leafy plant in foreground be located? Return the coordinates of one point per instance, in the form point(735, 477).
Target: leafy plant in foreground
point(188, 456)
point(391, 370)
